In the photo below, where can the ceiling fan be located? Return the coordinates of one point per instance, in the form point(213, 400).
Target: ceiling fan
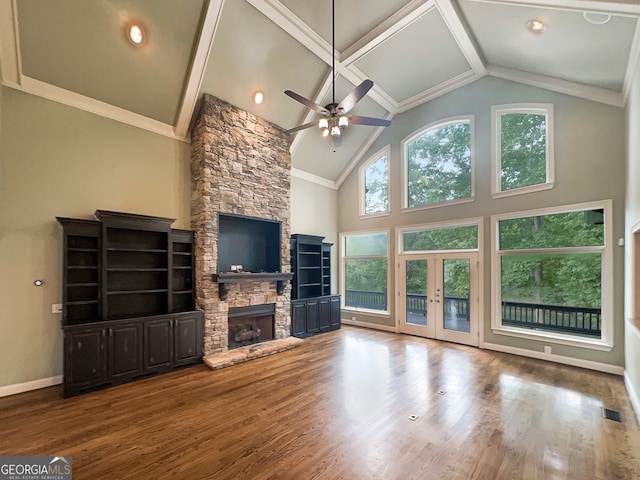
point(336, 117)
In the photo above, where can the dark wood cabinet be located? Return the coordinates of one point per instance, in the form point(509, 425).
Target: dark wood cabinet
point(313, 308)
point(85, 360)
point(128, 299)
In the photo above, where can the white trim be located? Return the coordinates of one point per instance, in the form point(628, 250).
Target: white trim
point(384, 152)
point(310, 177)
point(595, 94)
point(463, 38)
point(552, 357)
point(7, 390)
point(459, 119)
point(81, 102)
point(367, 311)
point(633, 397)
point(438, 90)
point(198, 66)
point(605, 343)
point(634, 54)
point(463, 222)
point(619, 7)
point(10, 43)
point(373, 326)
point(497, 111)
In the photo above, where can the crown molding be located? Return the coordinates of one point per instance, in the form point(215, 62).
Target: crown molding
point(81, 102)
point(310, 177)
point(445, 87)
point(594, 94)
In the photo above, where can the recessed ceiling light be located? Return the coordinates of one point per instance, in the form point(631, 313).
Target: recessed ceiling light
point(596, 18)
point(536, 26)
point(135, 33)
point(258, 97)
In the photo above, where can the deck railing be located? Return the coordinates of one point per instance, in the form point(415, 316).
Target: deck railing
point(579, 320)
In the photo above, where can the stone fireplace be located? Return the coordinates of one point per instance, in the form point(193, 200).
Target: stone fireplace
point(240, 165)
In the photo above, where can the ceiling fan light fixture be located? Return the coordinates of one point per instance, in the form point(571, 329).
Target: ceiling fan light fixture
point(135, 34)
point(335, 131)
point(323, 123)
point(325, 132)
point(343, 122)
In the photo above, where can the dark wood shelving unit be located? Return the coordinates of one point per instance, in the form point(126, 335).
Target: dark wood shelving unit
point(313, 308)
point(128, 300)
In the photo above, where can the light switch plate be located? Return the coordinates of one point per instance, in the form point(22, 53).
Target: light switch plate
point(56, 308)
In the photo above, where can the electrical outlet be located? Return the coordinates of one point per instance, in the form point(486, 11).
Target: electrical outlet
point(547, 349)
point(234, 268)
point(56, 308)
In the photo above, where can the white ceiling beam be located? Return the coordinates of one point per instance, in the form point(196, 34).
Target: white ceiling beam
point(9, 44)
point(594, 94)
point(198, 66)
point(310, 177)
point(395, 23)
point(290, 23)
point(463, 37)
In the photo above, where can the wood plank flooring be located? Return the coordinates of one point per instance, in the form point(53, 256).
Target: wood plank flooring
point(338, 408)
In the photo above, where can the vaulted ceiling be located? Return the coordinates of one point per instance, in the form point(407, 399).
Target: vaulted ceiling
point(76, 52)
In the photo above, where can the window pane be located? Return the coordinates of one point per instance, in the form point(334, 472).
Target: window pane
point(368, 244)
point(557, 292)
point(366, 283)
point(574, 229)
point(523, 150)
point(454, 238)
point(439, 165)
point(376, 187)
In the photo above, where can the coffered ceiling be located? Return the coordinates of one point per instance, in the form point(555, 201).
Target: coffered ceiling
point(76, 52)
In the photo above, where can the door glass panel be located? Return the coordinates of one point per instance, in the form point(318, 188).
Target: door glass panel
point(456, 274)
point(416, 292)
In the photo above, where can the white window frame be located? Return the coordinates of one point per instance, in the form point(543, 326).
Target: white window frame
point(467, 222)
point(383, 152)
point(497, 111)
point(605, 343)
point(343, 258)
point(470, 119)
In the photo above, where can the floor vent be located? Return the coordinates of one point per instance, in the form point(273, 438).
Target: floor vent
point(611, 415)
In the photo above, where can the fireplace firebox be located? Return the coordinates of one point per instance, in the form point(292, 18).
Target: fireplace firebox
point(251, 324)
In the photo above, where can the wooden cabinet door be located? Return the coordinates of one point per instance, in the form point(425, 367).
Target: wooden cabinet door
point(188, 339)
point(85, 359)
point(324, 314)
point(313, 322)
point(335, 312)
point(125, 351)
point(158, 344)
point(298, 318)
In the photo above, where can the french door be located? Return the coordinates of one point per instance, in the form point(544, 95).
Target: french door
point(438, 296)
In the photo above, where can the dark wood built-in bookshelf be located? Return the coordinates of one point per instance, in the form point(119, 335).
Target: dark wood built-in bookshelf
point(313, 308)
point(128, 299)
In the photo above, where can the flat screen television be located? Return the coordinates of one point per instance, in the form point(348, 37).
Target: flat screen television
point(251, 242)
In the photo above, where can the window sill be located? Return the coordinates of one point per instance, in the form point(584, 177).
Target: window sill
point(549, 337)
point(523, 190)
point(364, 216)
point(438, 205)
point(368, 311)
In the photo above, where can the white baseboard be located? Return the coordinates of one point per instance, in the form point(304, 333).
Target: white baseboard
point(28, 386)
point(635, 401)
point(375, 326)
point(551, 357)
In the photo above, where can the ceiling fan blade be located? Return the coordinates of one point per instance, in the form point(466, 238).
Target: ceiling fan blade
point(354, 97)
point(302, 127)
point(337, 140)
point(374, 122)
point(308, 103)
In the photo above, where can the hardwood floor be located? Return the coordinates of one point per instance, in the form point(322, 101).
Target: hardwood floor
point(338, 408)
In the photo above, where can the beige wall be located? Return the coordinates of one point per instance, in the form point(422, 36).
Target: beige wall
point(590, 165)
point(60, 161)
point(632, 266)
point(314, 212)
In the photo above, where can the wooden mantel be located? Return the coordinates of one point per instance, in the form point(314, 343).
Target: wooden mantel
point(223, 278)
